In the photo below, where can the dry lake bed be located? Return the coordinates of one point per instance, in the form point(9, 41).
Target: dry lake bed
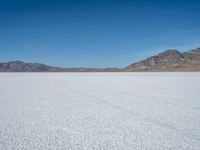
point(100, 111)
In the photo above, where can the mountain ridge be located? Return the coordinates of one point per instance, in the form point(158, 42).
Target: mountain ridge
point(169, 60)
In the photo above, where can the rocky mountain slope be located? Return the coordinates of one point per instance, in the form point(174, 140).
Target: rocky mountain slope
point(169, 60)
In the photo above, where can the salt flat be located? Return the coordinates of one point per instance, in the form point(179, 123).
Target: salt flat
point(97, 111)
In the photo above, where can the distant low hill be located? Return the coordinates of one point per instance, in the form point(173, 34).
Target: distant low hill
point(20, 66)
point(169, 60)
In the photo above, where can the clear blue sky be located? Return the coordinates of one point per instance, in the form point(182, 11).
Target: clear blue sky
point(95, 33)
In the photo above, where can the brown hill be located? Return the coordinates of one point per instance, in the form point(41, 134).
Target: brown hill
point(169, 60)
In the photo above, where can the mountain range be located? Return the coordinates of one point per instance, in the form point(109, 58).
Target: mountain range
point(169, 60)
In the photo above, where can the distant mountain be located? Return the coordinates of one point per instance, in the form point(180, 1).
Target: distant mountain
point(169, 60)
point(20, 66)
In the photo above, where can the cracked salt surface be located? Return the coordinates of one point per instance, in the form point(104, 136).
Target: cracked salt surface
point(88, 111)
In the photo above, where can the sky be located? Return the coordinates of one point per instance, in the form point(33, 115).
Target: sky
point(95, 33)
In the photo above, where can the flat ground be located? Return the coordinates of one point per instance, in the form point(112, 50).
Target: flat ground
point(136, 111)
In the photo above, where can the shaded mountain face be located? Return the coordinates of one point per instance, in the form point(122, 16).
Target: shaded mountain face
point(169, 60)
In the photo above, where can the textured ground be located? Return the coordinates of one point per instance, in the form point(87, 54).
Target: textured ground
point(136, 111)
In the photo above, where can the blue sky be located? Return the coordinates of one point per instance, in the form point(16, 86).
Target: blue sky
point(95, 33)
